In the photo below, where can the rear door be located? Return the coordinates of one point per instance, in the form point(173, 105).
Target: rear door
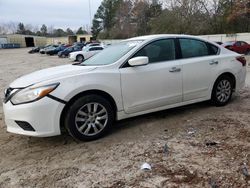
point(199, 63)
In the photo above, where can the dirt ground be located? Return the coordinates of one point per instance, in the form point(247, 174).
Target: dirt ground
point(193, 146)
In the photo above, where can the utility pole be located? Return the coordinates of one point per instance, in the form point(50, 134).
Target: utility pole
point(90, 16)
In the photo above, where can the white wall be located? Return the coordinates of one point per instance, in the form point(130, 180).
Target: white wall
point(215, 38)
point(109, 41)
point(228, 37)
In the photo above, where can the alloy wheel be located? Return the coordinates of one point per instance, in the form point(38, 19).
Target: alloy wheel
point(223, 91)
point(91, 119)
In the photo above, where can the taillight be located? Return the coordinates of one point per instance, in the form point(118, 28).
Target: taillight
point(242, 60)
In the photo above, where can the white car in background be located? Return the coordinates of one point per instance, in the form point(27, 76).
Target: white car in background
point(86, 53)
point(93, 44)
point(134, 77)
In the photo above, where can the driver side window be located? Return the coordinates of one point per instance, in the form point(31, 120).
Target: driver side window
point(158, 51)
point(238, 44)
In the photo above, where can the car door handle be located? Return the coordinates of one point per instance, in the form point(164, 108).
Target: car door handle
point(175, 69)
point(214, 62)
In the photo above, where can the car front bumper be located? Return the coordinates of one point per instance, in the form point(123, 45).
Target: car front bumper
point(43, 115)
point(72, 58)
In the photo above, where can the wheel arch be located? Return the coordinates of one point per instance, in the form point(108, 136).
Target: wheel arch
point(229, 74)
point(79, 55)
point(84, 93)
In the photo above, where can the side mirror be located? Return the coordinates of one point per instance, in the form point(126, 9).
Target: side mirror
point(138, 61)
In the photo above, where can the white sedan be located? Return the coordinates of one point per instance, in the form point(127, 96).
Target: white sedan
point(86, 53)
point(134, 77)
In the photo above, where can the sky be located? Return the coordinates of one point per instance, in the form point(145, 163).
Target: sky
point(56, 13)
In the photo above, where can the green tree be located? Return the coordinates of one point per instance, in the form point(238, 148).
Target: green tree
point(104, 18)
point(59, 33)
point(96, 27)
point(239, 17)
point(80, 31)
point(21, 29)
point(44, 30)
point(69, 31)
point(123, 27)
point(127, 18)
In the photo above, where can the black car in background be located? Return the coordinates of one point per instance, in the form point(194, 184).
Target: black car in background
point(47, 48)
point(35, 49)
point(67, 51)
point(80, 44)
point(56, 50)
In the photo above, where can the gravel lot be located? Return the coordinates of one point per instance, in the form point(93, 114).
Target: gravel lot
point(206, 146)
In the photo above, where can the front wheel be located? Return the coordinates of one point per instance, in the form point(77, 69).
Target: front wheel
point(79, 58)
point(89, 118)
point(222, 91)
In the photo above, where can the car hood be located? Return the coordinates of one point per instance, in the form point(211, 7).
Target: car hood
point(50, 73)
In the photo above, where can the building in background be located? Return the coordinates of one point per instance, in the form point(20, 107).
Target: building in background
point(22, 41)
point(71, 39)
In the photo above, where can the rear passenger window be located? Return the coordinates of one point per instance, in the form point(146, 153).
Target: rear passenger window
point(237, 44)
point(193, 48)
point(213, 49)
point(158, 51)
point(95, 48)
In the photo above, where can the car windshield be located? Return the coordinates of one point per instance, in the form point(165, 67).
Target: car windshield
point(112, 53)
point(85, 49)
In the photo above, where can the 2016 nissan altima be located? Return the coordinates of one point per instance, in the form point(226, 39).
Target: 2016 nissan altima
point(136, 76)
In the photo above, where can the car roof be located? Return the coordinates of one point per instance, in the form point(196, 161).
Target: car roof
point(151, 37)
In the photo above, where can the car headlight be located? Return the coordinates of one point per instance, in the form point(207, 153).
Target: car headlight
point(32, 93)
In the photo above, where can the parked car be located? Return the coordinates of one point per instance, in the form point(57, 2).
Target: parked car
point(92, 44)
point(49, 47)
point(67, 51)
point(240, 47)
point(86, 53)
point(35, 49)
point(134, 77)
point(80, 44)
point(55, 50)
point(217, 42)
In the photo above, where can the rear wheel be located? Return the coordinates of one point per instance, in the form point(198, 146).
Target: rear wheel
point(222, 91)
point(89, 117)
point(79, 58)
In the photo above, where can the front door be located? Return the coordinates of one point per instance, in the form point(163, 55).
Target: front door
point(155, 85)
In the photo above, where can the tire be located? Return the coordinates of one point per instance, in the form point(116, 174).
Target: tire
point(247, 52)
point(63, 56)
point(89, 118)
point(222, 91)
point(79, 58)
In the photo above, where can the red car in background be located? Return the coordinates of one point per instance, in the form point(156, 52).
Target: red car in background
point(240, 47)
